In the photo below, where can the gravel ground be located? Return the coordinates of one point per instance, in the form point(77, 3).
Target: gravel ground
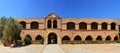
point(79, 48)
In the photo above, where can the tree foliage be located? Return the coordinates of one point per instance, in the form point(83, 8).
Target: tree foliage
point(3, 21)
point(12, 29)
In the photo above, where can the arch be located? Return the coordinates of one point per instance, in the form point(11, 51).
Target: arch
point(88, 38)
point(29, 36)
point(77, 37)
point(38, 37)
point(94, 25)
point(99, 38)
point(113, 26)
point(66, 38)
point(34, 25)
point(115, 38)
point(55, 24)
point(70, 25)
point(52, 38)
point(104, 26)
point(23, 23)
point(108, 38)
point(82, 25)
point(49, 24)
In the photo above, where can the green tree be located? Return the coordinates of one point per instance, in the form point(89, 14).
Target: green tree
point(3, 21)
point(12, 30)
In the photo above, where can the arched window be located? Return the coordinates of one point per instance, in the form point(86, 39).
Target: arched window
point(113, 26)
point(70, 25)
point(38, 37)
point(49, 24)
point(99, 38)
point(94, 25)
point(55, 24)
point(115, 38)
point(34, 25)
point(77, 37)
point(104, 26)
point(88, 38)
point(23, 24)
point(108, 38)
point(82, 25)
point(66, 38)
point(29, 37)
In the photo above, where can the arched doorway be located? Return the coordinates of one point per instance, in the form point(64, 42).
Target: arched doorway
point(88, 38)
point(99, 38)
point(115, 38)
point(108, 38)
point(52, 38)
point(66, 38)
point(77, 38)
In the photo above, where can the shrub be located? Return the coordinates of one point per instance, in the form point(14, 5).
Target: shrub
point(65, 42)
point(41, 41)
point(27, 40)
point(118, 41)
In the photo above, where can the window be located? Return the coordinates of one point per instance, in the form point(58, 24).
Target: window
point(70, 25)
point(34, 25)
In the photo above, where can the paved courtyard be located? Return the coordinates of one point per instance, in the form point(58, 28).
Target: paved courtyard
point(79, 48)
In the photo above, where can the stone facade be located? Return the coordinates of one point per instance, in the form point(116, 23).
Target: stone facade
point(52, 27)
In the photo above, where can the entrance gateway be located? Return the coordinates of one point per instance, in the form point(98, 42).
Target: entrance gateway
point(52, 38)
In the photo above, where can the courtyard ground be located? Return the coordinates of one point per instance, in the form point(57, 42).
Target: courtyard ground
point(67, 48)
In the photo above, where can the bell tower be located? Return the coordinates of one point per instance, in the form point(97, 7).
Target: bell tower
point(53, 21)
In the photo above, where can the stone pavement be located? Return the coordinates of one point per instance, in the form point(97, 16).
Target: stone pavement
point(64, 48)
point(26, 49)
point(53, 48)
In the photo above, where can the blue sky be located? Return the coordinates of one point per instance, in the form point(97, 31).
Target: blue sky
point(63, 8)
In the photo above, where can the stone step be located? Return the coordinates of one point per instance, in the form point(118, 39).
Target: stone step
point(53, 48)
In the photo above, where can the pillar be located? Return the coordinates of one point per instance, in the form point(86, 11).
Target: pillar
point(76, 26)
point(45, 41)
point(51, 23)
point(58, 23)
point(109, 27)
point(99, 26)
point(28, 26)
point(117, 28)
point(59, 41)
point(64, 26)
point(39, 26)
point(88, 26)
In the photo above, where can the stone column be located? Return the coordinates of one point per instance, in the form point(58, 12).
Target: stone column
point(59, 40)
point(76, 26)
point(28, 26)
point(88, 26)
point(112, 38)
point(58, 23)
point(51, 23)
point(117, 28)
point(109, 27)
point(104, 39)
point(64, 27)
point(99, 26)
point(46, 23)
point(45, 41)
point(39, 26)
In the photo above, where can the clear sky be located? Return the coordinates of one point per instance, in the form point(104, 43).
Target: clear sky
point(63, 8)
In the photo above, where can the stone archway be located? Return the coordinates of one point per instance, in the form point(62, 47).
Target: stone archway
point(52, 38)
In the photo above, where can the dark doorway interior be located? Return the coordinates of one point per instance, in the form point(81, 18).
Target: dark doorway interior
point(52, 38)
